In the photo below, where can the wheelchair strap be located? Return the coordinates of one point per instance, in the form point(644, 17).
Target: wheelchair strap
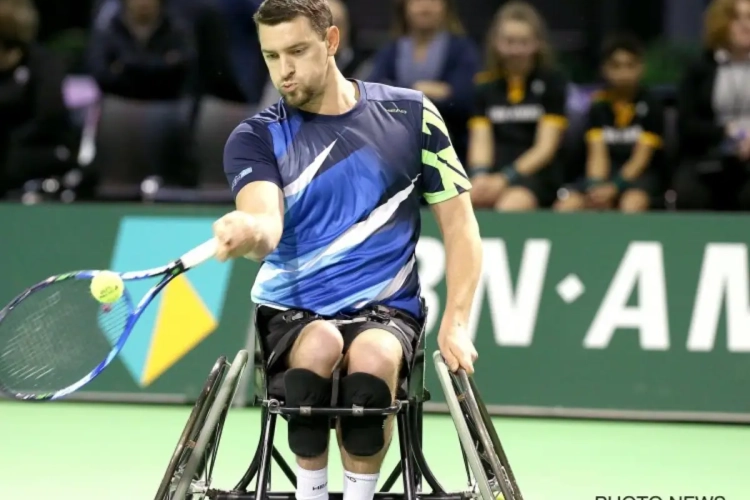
point(379, 314)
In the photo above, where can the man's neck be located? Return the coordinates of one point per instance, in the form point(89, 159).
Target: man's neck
point(340, 96)
point(139, 25)
point(626, 94)
point(520, 72)
point(424, 37)
point(739, 55)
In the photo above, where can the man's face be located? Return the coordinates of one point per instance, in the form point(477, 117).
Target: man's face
point(297, 58)
point(623, 70)
point(143, 11)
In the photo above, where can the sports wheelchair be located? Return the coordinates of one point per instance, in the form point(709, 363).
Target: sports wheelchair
point(188, 476)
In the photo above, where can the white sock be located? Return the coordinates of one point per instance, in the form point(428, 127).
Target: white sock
point(360, 486)
point(312, 484)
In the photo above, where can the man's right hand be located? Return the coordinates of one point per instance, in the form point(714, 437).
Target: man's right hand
point(486, 189)
point(236, 235)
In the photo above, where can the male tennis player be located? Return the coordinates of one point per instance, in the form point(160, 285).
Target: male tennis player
point(328, 183)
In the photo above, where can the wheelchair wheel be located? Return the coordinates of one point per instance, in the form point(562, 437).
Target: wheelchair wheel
point(480, 444)
point(195, 479)
point(192, 428)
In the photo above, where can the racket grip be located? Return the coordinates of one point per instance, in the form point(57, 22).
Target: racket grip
point(200, 254)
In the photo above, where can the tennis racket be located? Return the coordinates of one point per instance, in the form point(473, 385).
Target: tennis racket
point(56, 337)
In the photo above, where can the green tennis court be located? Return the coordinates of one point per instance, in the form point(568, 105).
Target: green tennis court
point(119, 452)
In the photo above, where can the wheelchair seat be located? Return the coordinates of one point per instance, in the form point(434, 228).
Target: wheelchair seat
point(487, 468)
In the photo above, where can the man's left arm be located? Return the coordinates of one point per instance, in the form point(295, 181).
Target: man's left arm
point(445, 187)
point(649, 142)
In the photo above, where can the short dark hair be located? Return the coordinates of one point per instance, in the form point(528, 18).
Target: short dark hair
point(274, 12)
point(623, 41)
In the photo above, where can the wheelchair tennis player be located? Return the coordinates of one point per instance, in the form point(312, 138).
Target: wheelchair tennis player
point(328, 184)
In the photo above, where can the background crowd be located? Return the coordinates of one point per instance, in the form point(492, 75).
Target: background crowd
point(134, 99)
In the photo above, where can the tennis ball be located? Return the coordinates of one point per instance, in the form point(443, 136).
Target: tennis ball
point(107, 287)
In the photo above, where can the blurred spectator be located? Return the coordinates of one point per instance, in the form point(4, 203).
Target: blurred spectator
point(349, 60)
point(244, 47)
point(143, 53)
point(36, 135)
point(714, 114)
point(207, 27)
point(519, 119)
point(623, 137)
point(431, 54)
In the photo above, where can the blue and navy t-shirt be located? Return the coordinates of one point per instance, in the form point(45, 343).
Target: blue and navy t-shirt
point(352, 186)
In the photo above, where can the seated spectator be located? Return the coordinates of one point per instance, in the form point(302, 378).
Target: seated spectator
point(714, 114)
point(623, 137)
point(214, 41)
point(432, 55)
point(348, 59)
point(143, 53)
point(36, 135)
point(519, 117)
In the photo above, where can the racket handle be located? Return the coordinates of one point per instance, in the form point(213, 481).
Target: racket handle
point(200, 254)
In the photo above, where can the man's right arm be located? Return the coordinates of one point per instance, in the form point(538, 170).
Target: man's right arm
point(253, 175)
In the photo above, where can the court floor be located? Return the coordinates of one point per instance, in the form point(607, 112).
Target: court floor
point(117, 452)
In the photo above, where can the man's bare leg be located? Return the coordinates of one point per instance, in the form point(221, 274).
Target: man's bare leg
point(376, 353)
point(312, 360)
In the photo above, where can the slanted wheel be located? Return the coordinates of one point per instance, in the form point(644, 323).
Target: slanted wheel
point(195, 480)
point(195, 422)
point(480, 443)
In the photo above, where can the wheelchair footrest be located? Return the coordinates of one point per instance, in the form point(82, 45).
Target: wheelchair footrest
point(227, 495)
point(275, 406)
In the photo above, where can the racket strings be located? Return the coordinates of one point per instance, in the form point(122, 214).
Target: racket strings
point(57, 336)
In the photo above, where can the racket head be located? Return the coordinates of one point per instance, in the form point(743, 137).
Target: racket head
point(55, 337)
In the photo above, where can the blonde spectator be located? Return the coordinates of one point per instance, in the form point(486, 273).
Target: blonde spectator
point(519, 116)
point(714, 114)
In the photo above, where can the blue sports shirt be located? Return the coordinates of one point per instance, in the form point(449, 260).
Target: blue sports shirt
point(352, 186)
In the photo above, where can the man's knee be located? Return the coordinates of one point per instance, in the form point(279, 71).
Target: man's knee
point(318, 348)
point(517, 199)
point(633, 201)
point(364, 436)
point(377, 352)
point(308, 435)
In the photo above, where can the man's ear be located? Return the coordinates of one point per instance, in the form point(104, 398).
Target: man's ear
point(333, 38)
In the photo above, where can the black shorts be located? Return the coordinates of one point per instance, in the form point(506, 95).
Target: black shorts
point(278, 330)
point(647, 182)
point(543, 184)
point(543, 187)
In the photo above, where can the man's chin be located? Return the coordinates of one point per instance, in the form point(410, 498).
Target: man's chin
point(295, 98)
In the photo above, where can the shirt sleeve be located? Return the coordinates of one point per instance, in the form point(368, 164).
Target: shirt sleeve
point(653, 124)
point(443, 176)
point(595, 121)
point(479, 109)
point(555, 101)
point(249, 157)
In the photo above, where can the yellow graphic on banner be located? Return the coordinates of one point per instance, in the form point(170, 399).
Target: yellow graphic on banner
point(182, 322)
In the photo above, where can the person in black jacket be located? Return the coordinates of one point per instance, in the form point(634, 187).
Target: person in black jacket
point(432, 54)
point(143, 53)
point(714, 115)
point(36, 135)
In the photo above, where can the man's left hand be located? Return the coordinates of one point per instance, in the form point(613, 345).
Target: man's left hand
point(603, 196)
point(433, 89)
point(457, 349)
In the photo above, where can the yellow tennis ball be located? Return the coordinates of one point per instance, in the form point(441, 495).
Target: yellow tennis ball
point(107, 287)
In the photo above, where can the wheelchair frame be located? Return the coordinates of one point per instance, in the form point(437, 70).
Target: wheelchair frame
point(484, 458)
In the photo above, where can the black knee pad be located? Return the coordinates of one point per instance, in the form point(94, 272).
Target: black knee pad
point(308, 435)
point(363, 436)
